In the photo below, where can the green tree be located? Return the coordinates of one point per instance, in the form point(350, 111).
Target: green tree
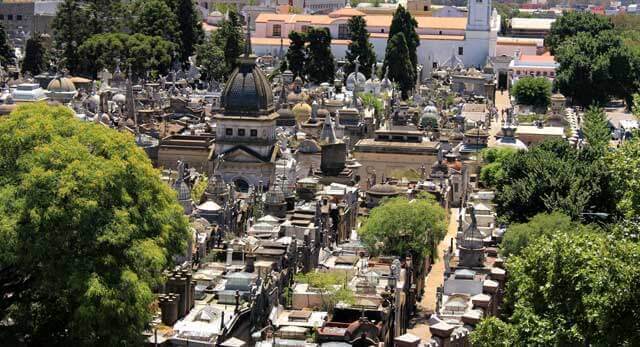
point(401, 70)
point(534, 91)
point(624, 164)
point(574, 288)
point(403, 22)
point(360, 47)
point(229, 38)
point(572, 23)
point(596, 128)
point(320, 65)
point(142, 53)
point(331, 285)
point(554, 176)
point(492, 172)
point(156, 18)
point(520, 235)
point(296, 56)
point(189, 27)
point(595, 68)
point(403, 227)
point(87, 226)
point(36, 56)
point(70, 28)
point(7, 56)
point(492, 332)
point(210, 58)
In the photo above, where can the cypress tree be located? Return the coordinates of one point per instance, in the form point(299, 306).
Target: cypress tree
point(71, 28)
point(7, 55)
point(320, 65)
point(401, 71)
point(35, 57)
point(360, 47)
point(191, 33)
point(229, 37)
point(296, 56)
point(403, 22)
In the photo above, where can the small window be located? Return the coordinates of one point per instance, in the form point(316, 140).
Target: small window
point(343, 32)
point(19, 17)
point(229, 131)
point(254, 132)
point(479, 1)
point(440, 32)
point(434, 65)
point(277, 30)
point(426, 8)
point(9, 17)
point(240, 132)
point(460, 50)
point(382, 30)
point(305, 28)
point(1, 17)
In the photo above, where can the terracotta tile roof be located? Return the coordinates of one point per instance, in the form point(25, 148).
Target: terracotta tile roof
point(445, 23)
point(345, 12)
point(545, 58)
point(424, 37)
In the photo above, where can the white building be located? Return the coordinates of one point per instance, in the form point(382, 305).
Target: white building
point(472, 38)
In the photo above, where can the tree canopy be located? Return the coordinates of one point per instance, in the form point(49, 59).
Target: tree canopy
point(553, 176)
point(570, 288)
point(360, 47)
point(596, 128)
point(320, 66)
point(36, 57)
point(520, 235)
point(7, 56)
point(534, 91)
point(210, 60)
point(189, 27)
point(403, 22)
point(572, 23)
point(492, 172)
point(87, 224)
point(156, 18)
point(401, 70)
point(296, 56)
point(229, 38)
point(624, 164)
point(400, 226)
point(142, 53)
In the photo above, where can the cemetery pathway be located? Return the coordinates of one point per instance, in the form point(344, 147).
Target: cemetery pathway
point(434, 279)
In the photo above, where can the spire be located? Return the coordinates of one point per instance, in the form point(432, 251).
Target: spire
point(328, 134)
point(247, 44)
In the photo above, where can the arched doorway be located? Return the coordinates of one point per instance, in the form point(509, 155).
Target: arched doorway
point(241, 185)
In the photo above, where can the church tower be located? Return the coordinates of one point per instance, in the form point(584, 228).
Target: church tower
point(479, 18)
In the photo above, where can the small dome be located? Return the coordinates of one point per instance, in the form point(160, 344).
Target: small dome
point(285, 113)
point(119, 99)
point(105, 119)
point(61, 85)
point(383, 189)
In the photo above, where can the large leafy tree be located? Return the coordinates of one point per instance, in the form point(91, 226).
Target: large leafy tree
point(36, 56)
point(405, 227)
point(534, 91)
point(569, 289)
point(401, 70)
point(70, 28)
point(360, 47)
point(156, 18)
point(229, 38)
point(142, 53)
point(210, 59)
point(7, 56)
point(320, 65)
point(296, 55)
point(86, 229)
point(572, 23)
point(190, 30)
point(594, 68)
point(554, 176)
point(520, 235)
point(403, 22)
point(624, 164)
point(492, 172)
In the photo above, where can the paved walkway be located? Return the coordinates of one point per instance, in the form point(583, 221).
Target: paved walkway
point(502, 103)
point(434, 279)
